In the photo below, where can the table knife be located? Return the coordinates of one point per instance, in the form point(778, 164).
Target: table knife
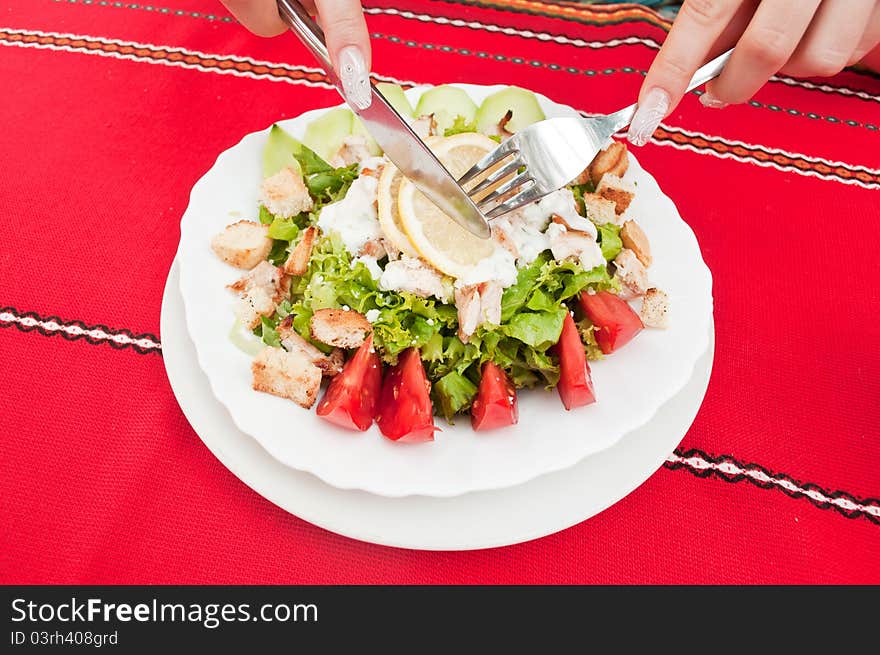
point(393, 134)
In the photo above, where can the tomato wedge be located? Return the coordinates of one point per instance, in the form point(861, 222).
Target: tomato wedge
point(575, 384)
point(495, 404)
point(615, 320)
point(405, 412)
point(350, 400)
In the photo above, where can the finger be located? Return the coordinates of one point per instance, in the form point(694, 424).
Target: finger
point(768, 42)
point(832, 38)
point(697, 27)
point(349, 44)
point(870, 38)
point(259, 16)
point(734, 29)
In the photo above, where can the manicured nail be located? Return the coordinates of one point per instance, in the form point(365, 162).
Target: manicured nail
point(355, 77)
point(710, 101)
point(649, 113)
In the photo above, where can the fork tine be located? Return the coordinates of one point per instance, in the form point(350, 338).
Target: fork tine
point(490, 160)
point(523, 198)
point(506, 189)
point(495, 177)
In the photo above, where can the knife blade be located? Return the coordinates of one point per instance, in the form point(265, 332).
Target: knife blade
point(394, 135)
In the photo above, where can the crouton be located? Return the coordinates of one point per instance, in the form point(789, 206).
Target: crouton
point(354, 148)
point(260, 290)
point(263, 275)
point(330, 365)
point(631, 273)
point(298, 261)
point(655, 308)
point(286, 374)
point(620, 192)
point(243, 245)
point(614, 159)
point(252, 306)
point(600, 210)
point(340, 328)
point(285, 194)
point(633, 237)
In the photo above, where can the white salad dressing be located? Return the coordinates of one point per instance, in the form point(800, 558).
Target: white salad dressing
point(354, 217)
point(356, 221)
point(499, 266)
point(372, 163)
point(371, 263)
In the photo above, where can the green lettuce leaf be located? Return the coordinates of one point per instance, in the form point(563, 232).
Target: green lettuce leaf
point(278, 254)
point(453, 394)
point(284, 229)
point(460, 125)
point(609, 240)
point(540, 330)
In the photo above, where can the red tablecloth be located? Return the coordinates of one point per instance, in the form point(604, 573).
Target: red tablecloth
point(111, 111)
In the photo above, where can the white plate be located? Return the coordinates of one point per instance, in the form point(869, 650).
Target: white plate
point(482, 519)
point(631, 385)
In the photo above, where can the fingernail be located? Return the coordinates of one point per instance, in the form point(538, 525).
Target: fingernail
point(710, 101)
point(355, 77)
point(649, 113)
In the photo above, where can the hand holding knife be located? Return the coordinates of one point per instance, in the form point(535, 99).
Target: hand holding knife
point(393, 134)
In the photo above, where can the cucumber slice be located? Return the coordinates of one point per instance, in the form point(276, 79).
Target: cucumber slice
point(522, 103)
point(324, 135)
point(278, 152)
point(446, 102)
point(395, 95)
point(357, 127)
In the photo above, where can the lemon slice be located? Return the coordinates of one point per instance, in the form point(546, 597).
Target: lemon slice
point(389, 219)
point(439, 240)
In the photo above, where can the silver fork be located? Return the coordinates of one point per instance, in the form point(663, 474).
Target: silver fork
point(547, 155)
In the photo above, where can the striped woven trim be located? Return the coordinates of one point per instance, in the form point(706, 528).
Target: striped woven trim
point(728, 469)
point(606, 14)
point(173, 56)
point(51, 326)
point(561, 39)
point(767, 157)
point(262, 70)
point(723, 467)
point(510, 31)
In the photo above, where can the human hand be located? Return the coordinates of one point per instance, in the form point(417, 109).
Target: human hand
point(344, 29)
point(802, 38)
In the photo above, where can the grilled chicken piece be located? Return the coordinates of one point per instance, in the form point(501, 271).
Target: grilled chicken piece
point(632, 274)
point(259, 290)
point(330, 365)
point(298, 261)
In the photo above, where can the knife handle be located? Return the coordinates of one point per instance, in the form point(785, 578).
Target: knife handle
point(307, 30)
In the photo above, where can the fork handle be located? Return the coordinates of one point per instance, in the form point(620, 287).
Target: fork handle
point(708, 71)
point(308, 31)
